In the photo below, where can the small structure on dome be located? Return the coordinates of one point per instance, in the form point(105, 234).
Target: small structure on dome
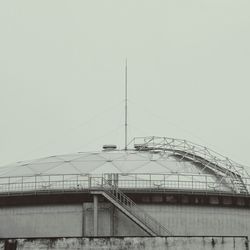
point(108, 147)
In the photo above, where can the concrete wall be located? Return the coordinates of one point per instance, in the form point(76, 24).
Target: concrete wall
point(191, 220)
point(105, 222)
point(41, 221)
point(133, 243)
point(77, 221)
point(202, 220)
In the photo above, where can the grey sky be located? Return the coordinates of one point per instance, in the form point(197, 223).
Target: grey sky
point(62, 74)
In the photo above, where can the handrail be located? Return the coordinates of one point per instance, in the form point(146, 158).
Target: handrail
point(131, 206)
point(173, 143)
point(76, 183)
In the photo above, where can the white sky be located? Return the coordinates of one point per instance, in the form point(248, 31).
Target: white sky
point(62, 74)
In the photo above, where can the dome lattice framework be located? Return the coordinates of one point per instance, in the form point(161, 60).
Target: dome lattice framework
point(154, 163)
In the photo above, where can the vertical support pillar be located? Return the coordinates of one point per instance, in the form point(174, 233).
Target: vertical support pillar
point(112, 220)
point(95, 215)
point(83, 220)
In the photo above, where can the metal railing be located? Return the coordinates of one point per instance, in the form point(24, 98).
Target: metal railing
point(173, 144)
point(132, 182)
point(221, 166)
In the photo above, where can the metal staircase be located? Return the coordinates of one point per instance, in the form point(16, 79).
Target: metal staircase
point(130, 209)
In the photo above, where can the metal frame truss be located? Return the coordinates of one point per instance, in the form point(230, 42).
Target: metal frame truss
point(224, 169)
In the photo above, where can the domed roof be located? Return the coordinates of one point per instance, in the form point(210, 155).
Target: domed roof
point(174, 165)
point(116, 161)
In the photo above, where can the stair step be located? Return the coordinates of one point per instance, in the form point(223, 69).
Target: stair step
point(125, 205)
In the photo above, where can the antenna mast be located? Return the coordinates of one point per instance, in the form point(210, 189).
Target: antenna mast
point(126, 106)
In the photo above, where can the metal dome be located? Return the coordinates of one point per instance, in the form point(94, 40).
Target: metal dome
point(116, 161)
point(152, 163)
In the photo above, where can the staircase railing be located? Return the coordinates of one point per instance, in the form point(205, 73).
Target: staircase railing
point(116, 194)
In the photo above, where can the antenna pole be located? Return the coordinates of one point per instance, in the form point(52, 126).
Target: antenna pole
point(126, 106)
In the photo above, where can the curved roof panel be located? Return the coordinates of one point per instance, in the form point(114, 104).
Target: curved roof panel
point(103, 162)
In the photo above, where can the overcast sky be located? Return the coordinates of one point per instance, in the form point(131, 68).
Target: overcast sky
point(62, 74)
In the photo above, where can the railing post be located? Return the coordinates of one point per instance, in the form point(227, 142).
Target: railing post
point(49, 185)
point(192, 183)
point(206, 184)
point(9, 186)
point(35, 184)
point(63, 183)
point(22, 184)
point(89, 180)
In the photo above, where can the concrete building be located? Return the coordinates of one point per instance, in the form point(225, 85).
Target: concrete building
point(157, 187)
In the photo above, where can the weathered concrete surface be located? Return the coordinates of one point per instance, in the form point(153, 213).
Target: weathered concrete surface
point(41, 221)
point(134, 243)
point(202, 220)
point(76, 220)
